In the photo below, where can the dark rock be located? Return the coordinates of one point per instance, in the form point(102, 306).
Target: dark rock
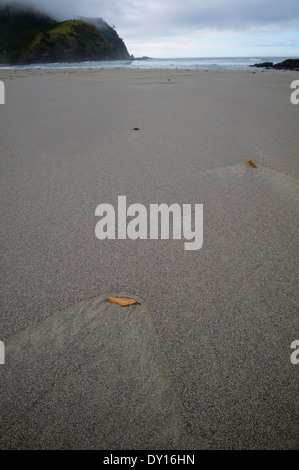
point(289, 64)
point(144, 57)
point(263, 64)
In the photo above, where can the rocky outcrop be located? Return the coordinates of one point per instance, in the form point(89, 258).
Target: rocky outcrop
point(264, 65)
point(289, 64)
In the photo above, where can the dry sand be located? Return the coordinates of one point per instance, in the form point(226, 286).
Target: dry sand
point(213, 337)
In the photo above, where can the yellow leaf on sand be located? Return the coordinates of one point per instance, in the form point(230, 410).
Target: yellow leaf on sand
point(250, 162)
point(122, 301)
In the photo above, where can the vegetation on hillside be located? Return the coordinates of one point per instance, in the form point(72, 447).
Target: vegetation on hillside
point(27, 36)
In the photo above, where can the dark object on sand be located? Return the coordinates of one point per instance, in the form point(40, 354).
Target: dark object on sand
point(136, 129)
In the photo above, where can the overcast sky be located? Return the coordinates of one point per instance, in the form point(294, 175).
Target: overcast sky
point(192, 28)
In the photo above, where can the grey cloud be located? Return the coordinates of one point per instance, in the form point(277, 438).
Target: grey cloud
point(169, 17)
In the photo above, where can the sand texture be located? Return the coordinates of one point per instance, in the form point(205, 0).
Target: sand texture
point(210, 344)
point(92, 377)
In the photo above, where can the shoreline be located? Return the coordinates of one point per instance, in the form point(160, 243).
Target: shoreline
point(42, 71)
point(168, 64)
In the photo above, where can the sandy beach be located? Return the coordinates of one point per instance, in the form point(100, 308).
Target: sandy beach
point(210, 343)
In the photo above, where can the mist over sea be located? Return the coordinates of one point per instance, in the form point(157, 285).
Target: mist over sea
point(212, 63)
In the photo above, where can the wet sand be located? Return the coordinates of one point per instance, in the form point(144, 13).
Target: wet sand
point(221, 319)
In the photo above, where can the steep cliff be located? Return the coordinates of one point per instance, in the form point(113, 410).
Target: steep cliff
point(112, 36)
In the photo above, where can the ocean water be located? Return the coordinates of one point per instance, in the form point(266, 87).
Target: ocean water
point(212, 63)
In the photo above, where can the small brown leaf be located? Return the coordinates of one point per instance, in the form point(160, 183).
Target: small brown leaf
point(250, 162)
point(122, 301)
